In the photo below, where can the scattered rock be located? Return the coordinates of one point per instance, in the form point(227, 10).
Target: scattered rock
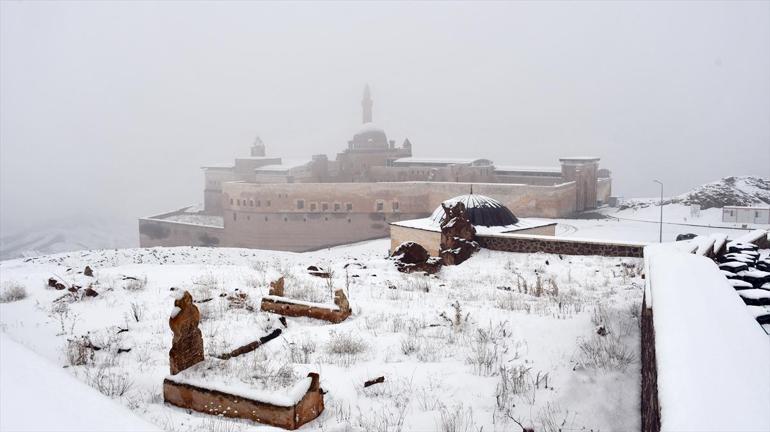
point(372, 382)
point(88, 271)
point(90, 292)
point(411, 257)
point(457, 235)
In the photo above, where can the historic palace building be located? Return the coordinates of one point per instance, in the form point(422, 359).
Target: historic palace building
point(298, 205)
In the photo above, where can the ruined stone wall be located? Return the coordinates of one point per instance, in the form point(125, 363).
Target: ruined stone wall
point(156, 232)
point(558, 245)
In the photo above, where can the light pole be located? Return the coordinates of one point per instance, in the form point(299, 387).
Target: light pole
point(660, 240)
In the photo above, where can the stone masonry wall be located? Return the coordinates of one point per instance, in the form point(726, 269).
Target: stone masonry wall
point(531, 244)
point(155, 232)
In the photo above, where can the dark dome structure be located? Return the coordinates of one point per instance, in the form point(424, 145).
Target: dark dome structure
point(482, 210)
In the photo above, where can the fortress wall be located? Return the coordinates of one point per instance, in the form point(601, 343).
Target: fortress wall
point(156, 232)
point(430, 240)
point(537, 180)
point(603, 189)
point(299, 232)
point(280, 198)
point(412, 197)
point(523, 200)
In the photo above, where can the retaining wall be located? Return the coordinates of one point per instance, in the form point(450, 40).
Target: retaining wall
point(559, 245)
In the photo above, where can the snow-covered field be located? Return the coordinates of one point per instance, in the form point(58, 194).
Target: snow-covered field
point(546, 340)
point(642, 224)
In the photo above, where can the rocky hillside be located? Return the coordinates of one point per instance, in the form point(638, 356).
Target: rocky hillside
point(737, 191)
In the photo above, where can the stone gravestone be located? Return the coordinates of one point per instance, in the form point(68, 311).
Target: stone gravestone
point(187, 345)
point(276, 287)
point(457, 235)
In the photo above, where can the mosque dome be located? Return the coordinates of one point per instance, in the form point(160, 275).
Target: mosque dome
point(370, 136)
point(482, 210)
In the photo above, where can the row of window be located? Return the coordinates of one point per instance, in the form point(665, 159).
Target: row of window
point(380, 206)
point(267, 219)
point(250, 203)
point(314, 206)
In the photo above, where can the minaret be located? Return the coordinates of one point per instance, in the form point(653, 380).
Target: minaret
point(258, 148)
point(366, 105)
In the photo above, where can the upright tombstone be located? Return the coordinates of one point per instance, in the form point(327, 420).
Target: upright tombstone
point(457, 235)
point(187, 345)
point(276, 287)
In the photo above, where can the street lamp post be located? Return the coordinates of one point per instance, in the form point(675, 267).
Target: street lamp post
point(660, 239)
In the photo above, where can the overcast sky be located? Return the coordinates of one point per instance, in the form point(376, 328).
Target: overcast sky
point(111, 108)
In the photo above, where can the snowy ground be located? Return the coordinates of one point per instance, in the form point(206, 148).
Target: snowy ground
point(642, 224)
point(511, 347)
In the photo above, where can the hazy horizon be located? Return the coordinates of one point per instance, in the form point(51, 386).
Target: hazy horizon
point(109, 109)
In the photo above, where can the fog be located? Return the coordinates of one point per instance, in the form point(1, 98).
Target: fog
point(109, 109)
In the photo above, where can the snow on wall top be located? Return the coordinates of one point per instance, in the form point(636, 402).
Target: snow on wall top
point(713, 374)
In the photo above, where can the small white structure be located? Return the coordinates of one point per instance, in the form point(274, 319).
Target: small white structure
point(739, 214)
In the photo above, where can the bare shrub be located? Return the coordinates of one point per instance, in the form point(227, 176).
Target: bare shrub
point(457, 320)
point(109, 383)
point(512, 302)
point(604, 352)
point(431, 350)
point(552, 418)
point(514, 382)
point(345, 343)
point(410, 344)
point(78, 351)
point(135, 284)
point(12, 291)
point(302, 351)
point(485, 358)
point(456, 419)
point(302, 290)
point(137, 311)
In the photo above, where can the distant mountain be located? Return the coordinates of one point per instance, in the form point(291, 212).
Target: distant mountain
point(68, 235)
point(729, 191)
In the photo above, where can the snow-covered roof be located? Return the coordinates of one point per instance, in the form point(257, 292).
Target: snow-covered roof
point(223, 165)
point(436, 161)
point(756, 207)
point(482, 211)
point(285, 165)
point(527, 169)
point(579, 158)
point(428, 224)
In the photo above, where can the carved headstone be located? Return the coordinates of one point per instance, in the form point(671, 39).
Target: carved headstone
point(341, 300)
point(187, 345)
point(276, 287)
point(457, 235)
